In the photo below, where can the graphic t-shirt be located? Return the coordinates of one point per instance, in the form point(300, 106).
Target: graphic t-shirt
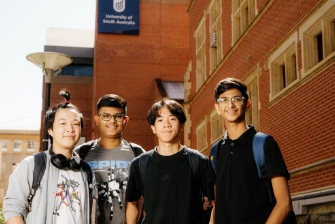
point(70, 198)
point(111, 169)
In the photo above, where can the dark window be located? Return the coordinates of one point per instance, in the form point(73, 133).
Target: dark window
point(319, 46)
point(79, 67)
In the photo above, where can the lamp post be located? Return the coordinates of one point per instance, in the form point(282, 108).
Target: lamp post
point(51, 64)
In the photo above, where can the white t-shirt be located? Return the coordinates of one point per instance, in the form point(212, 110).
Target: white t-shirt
point(70, 198)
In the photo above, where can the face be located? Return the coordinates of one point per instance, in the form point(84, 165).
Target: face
point(167, 126)
point(232, 113)
point(207, 204)
point(114, 127)
point(65, 130)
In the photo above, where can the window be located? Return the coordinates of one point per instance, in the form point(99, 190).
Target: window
point(31, 146)
point(216, 33)
point(319, 40)
point(244, 12)
point(79, 67)
point(283, 67)
point(202, 136)
point(17, 146)
point(3, 170)
point(216, 126)
point(200, 55)
point(4, 145)
point(252, 115)
point(283, 70)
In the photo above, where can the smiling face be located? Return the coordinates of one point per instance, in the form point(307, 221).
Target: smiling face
point(167, 126)
point(111, 128)
point(65, 130)
point(232, 113)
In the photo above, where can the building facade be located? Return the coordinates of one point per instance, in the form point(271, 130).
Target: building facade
point(18, 139)
point(284, 51)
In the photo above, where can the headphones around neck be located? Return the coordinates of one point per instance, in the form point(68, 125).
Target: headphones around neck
point(62, 163)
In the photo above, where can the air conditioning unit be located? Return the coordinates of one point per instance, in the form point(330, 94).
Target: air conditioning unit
point(213, 40)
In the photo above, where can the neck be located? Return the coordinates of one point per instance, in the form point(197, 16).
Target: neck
point(168, 149)
point(235, 130)
point(109, 143)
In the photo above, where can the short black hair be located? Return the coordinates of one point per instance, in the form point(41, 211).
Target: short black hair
point(49, 116)
point(112, 100)
point(173, 106)
point(228, 84)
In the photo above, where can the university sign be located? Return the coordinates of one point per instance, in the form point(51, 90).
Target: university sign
point(119, 16)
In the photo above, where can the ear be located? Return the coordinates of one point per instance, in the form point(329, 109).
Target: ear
point(126, 120)
point(217, 108)
point(96, 119)
point(248, 104)
point(50, 132)
point(153, 129)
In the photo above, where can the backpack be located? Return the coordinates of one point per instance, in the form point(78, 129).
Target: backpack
point(83, 149)
point(259, 156)
point(39, 169)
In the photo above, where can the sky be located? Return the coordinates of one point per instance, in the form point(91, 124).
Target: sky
point(23, 26)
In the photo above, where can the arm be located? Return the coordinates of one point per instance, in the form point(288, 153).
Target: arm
point(15, 202)
point(282, 195)
point(15, 220)
point(212, 219)
point(132, 212)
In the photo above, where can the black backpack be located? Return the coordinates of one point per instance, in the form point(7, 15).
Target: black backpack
point(40, 160)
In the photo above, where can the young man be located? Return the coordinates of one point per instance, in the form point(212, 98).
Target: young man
point(241, 196)
point(110, 156)
point(169, 186)
point(64, 192)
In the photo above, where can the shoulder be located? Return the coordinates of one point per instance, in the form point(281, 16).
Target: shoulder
point(137, 149)
point(196, 153)
point(85, 147)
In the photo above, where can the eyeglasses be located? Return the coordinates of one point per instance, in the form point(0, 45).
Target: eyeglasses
point(236, 100)
point(108, 116)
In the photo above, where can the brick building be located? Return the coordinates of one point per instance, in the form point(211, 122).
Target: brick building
point(284, 51)
point(18, 139)
point(141, 68)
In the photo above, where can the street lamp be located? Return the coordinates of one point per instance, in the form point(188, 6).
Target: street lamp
point(51, 64)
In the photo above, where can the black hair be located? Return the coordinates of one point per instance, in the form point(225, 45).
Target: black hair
point(49, 116)
point(228, 84)
point(112, 100)
point(173, 106)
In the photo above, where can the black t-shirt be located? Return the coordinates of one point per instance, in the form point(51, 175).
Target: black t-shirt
point(241, 196)
point(170, 191)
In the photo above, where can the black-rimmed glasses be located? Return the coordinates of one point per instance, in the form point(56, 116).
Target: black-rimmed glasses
point(108, 116)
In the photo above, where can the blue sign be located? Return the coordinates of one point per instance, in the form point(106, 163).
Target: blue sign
point(119, 16)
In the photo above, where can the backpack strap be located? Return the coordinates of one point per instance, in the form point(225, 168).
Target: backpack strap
point(142, 163)
point(193, 159)
point(83, 149)
point(214, 151)
point(259, 154)
point(137, 149)
point(258, 148)
point(39, 169)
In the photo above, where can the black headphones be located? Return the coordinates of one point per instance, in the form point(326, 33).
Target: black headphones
point(62, 163)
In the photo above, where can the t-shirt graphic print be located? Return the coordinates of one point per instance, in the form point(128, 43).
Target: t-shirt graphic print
point(69, 200)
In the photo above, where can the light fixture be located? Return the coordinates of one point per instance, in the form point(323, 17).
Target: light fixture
point(51, 64)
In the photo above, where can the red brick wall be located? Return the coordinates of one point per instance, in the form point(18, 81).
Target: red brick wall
point(303, 121)
point(127, 65)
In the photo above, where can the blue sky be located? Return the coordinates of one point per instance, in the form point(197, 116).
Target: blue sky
point(23, 30)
